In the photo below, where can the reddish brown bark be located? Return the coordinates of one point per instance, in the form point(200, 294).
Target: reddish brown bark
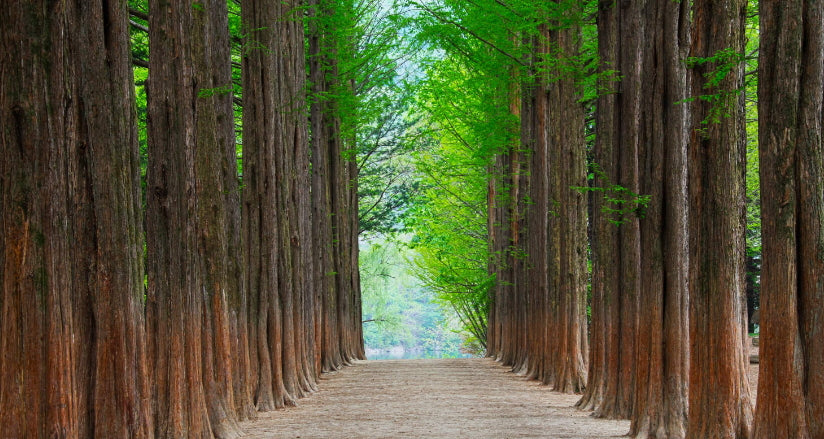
point(616, 247)
point(506, 238)
point(192, 195)
point(568, 271)
point(278, 238)
point(791, 95)
point(187, 241)
point(719, 401)
point(660, 409)
point(71, 325)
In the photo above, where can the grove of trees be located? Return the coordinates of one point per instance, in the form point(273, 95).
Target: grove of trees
point(153, 285)
point(587, 185)
point(614, 146)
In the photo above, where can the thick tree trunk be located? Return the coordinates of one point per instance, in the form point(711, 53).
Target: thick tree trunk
point(71, 325)
point(566, 126)
point(719, 401)
point(275, 145)
point(604, 242)
point(661, 388)
point(791, 95)
point(616, 253)
point(192, 182)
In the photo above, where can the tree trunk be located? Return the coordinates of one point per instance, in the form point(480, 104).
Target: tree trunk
point(790, 99)
point(274, 144)
point(661, 388)
point(604, 242)
point(719, 401)
point(566, 136)
point(71, 312)
point(190, 268)
point(616, 248)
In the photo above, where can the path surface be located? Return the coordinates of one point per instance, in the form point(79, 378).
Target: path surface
point(462, 398)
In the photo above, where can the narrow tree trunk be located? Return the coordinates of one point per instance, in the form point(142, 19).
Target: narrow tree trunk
point(719, 401)
point(790, 98)
point(71, 312)
point(605, 235)
point(533, 139)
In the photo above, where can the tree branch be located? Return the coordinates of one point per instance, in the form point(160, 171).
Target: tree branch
point(478, 37)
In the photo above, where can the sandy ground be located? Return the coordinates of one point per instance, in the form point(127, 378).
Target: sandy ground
point(462, 398)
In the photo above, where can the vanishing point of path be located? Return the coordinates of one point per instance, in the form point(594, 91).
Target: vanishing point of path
point(455, 398)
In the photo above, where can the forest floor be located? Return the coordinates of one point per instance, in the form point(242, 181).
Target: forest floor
point(451, 398)
point(455, 398)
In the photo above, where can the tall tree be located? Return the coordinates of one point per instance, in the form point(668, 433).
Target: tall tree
point(276, 229)
point(73, 360)
point(790, 99)
point(616, 237)
point(719, 401)
point(567, 335)
point(333, 119)
point(192, 181)
point(660, 407)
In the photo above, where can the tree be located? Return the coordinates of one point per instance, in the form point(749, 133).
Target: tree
point(334, 120)
point(660, 406)
point(719, 401)
point(275, 153)
point(566, 338)
point(790, 99)
point(73, 360)
point(616, 236)
point(192, 240)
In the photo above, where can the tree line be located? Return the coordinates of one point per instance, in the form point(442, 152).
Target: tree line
point(615, 141)
point(173, 291)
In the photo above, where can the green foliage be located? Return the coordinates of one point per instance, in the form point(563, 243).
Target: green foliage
point(620, 202)
point(460, 133)
point(753, 193)
point(722, 63)
point(397, 309)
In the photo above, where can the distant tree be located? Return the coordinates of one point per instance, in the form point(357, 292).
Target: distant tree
point(334, 118)
point(72, 351)
point(790, 99)
point(719, 400)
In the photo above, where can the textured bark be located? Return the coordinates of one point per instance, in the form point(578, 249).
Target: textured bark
point(334, 195)
point(791, 95)
point(616, 248)
point(568, 268)
point(71, 328)
point(192, 273)
point(277, 222)
point(503, 239)
point(497, 247)
point(534, 132)
point(663, 358)
point(539, 323)
point(604, 242)
point(270, 116)
point(719, 401)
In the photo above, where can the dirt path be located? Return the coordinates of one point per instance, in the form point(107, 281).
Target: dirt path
point(469, 398)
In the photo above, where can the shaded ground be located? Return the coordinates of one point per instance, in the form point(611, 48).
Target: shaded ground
point(469, 398)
